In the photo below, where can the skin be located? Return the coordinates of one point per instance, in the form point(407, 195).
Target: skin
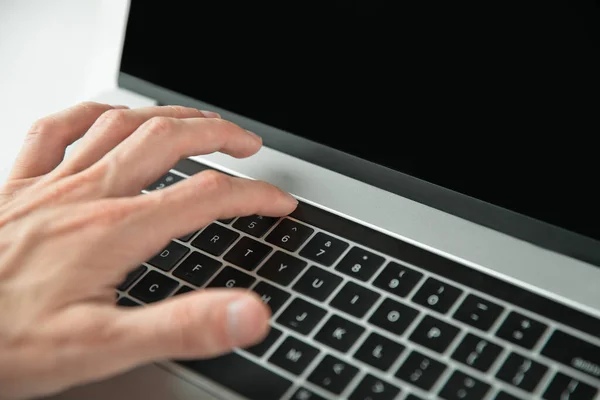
point(71, 229)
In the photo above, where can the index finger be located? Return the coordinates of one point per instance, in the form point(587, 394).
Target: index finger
point(197, 201)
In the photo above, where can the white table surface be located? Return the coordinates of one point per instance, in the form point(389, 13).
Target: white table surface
point(53, 54)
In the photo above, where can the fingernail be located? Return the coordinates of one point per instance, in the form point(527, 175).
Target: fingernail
point(292, 198)
point(210, 114)
point(120, 107)
point(254, 134)
point(242, 324)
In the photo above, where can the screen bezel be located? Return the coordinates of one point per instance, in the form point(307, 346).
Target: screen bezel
point(520, 226)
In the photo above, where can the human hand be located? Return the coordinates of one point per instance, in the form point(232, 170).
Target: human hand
point(71, 230)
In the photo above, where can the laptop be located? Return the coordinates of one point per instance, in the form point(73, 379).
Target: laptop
point(447, 240)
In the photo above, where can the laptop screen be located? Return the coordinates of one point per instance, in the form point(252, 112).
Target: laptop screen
point(494, 100)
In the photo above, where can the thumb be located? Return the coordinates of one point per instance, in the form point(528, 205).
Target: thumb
point(198, 324)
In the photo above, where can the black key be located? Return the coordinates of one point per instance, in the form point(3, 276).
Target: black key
point(164, 181)
point(372, 388)
point(184, 289)
point(354, 299)
point(153, 287)
point(564, 387)
point(187, 237)
point(339, 333)
point(215, 239)
point(301, 316)
point(574, 352)
point(167, 258)
point(397, 279)
point(477, 353)
point(197, 268)
point(305, 394)
point(412, 397)
point(461, 386)
point(271, 296)
point(393, 316)
point(262, 347)
point(132, 277)
point(255, 225)
point(247, 253)
point(437, 295)
point(226, 221)
point(360, 263)
point(434, 334)
point(125, 302)
point(379, 352)
point(420, 370)
point(293, 355)
point(289, 234)
point(230, 277)
point(237, 373)
point(332, 374)
point(282, 268)
point(505, 396)
point(521, 372)
point(478, 312)
point(317, 283)
point(521, 330)
point(323, 249)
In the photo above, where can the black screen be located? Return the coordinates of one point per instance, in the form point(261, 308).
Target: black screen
point(497, 100)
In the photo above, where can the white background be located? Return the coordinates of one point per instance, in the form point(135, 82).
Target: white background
point(53, 54)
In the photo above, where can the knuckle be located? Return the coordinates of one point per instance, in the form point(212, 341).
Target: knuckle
point(112, 118)
point(214, 182)
point(42, 126)
point(108, 213)
point(180, 111)
point(159, 125)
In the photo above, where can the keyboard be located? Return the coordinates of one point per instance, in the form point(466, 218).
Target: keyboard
point(361, 315)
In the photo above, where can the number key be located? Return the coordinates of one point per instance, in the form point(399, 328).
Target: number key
point(255, 225)
point(359, 263)
point(323, 249)
point(397, 279)
point(164, 181)
point(289, 234)
point(436, 295)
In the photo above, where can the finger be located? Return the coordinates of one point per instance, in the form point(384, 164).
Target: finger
point(160, 143)
point(48, 138)
point(114, 127)
point(199, 200)
point(197, 325)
